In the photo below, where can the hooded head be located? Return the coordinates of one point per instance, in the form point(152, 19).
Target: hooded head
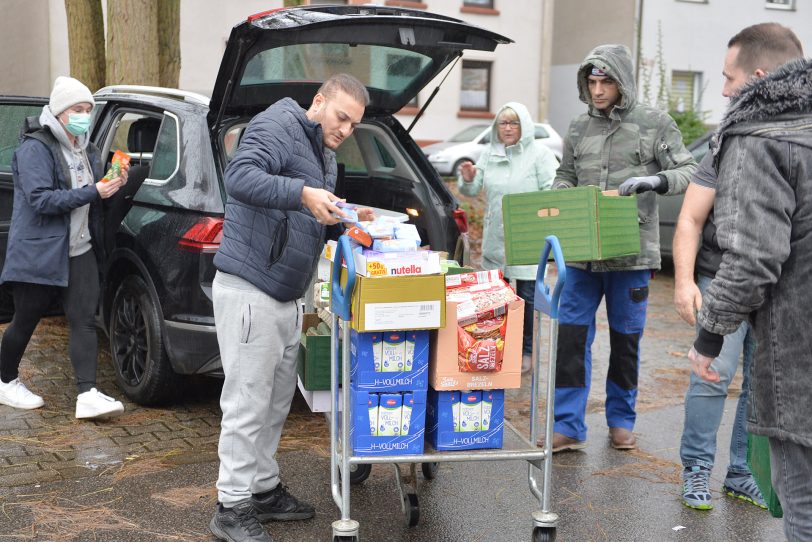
point(612, 61)
point(68, 92)
point(510, 134)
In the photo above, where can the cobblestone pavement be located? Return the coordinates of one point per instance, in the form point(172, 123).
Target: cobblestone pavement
point(46, 454)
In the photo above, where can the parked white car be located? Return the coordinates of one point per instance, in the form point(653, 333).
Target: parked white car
point(446, 156)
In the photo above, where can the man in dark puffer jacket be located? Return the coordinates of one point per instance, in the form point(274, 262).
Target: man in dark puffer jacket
point(279, 188)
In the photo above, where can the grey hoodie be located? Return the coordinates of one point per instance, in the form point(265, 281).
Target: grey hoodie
point(80, 175)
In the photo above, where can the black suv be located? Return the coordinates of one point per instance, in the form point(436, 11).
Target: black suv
point(165, 225)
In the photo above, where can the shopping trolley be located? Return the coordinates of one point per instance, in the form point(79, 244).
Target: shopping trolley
point(343, 462)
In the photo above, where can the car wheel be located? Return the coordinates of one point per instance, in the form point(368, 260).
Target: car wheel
point(142, 366)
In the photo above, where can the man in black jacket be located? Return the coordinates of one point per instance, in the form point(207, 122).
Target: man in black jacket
point(279, 188)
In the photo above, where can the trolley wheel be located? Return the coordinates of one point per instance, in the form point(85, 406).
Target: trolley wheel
point(359, 473)
point(345, 539)
point(412, 508)
point(429, 470)
point(544, 534)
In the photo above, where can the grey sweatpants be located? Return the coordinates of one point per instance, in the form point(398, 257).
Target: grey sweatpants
point(259, 339)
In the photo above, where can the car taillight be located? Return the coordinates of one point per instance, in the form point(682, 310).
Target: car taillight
point(462, 220)
point(204, 236)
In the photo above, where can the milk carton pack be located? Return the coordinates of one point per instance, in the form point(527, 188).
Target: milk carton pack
point(389, 361)
point(455, 410)
point(470, 410)
point(487, 406)
point(372, 405)
point(389, 414)
point(406, 414)
point(451, 419)
point(393, 351)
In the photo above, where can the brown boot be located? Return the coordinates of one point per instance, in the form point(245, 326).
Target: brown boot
point(563, 443)
point(622, 439)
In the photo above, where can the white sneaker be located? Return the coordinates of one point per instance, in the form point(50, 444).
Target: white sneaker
point(95, 404)
point(15, 394)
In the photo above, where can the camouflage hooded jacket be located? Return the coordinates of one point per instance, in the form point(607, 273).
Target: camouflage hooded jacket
point(634, 140)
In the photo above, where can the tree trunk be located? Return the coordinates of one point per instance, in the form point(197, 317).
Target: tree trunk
point(132, 42)
point(86, 42)
point(169, 42)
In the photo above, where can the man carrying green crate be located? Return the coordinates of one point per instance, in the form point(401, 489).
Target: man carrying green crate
point(619, 144)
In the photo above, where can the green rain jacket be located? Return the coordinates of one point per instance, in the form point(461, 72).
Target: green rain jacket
point(527, 166)
point(633, 141)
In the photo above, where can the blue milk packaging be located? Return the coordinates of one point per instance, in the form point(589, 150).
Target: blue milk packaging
point(364, 443)
point(444, 434)
point(403, 358)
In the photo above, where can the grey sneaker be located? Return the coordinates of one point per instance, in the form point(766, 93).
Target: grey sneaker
point(279, 505)
point(695, 488)
point(238, 524)
point(744, 487)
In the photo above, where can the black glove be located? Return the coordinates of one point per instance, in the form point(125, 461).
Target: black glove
point(636, 185)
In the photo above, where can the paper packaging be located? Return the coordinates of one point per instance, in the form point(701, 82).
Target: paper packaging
point(390, 264)
point(470, 410)
point(363, 443)
point(363, 375)
point(372, 405)
point(389, 413)
point(487, 407)
point(313, 357)
point(406, 414)
point(455, 409)
point(385, 303)
point(444, 373)
point(393, 351)
point(440, 422)
point(408, 349)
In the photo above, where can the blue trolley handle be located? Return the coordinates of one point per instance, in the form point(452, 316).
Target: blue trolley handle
point(543, 301)
point(340, 299)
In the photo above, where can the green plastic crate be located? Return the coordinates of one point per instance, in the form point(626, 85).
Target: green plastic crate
point(313, 359)
point(589, 224)
point(758, 459)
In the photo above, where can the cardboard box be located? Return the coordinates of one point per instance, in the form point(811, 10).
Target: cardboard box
point(385, 303)
point(440, 431)
point(415, 262)
point(362, 368)
point(363, 443)
point(444, 373)
point(590, 224)
point(313, 358)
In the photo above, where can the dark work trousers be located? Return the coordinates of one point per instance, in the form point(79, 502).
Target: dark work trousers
point(526, 289)
point(626, 295)
point(79, 301)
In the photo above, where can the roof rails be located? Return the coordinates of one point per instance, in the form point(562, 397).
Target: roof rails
point(158, 91)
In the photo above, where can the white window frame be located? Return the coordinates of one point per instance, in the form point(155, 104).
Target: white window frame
point(789, 6)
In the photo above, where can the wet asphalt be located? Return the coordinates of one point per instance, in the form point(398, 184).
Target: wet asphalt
point(150, 476)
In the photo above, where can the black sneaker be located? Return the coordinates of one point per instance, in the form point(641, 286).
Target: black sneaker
point(279, 505)
point(238, 524)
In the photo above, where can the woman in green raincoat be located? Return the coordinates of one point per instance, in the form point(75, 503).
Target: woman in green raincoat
point(513, 163)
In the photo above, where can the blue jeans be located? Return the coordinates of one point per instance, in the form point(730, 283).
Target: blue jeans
point(791, 470)
point(705, 403)
point(626, 295)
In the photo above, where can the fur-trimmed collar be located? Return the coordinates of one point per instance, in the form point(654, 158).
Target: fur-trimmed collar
point(787, 90)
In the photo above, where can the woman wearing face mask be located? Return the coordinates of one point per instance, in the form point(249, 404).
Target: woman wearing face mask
point(54, 244)
point(513, 163)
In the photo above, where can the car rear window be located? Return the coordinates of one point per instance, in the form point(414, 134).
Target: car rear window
point(385, 68)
